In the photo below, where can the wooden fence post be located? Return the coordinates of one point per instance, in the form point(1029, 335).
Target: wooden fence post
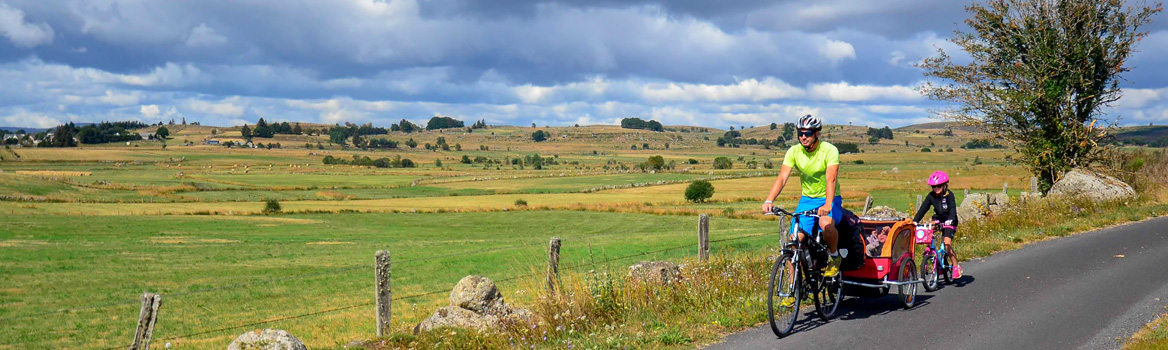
point(867, 205)
point(703, 238)
point(553, 271)
point(1033, 185)
point(384, 293)
point(147, 317)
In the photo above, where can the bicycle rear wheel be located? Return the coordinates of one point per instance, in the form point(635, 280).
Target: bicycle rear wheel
point(947, 271)
point(827, 296)
point(784, 294)
point(929, 271)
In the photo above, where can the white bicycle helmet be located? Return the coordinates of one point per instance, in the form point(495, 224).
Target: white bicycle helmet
point(809, 122)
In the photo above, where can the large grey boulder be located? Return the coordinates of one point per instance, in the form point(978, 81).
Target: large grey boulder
point(660, 272)
point(1091, 185)
point(476, 293)
point(476, 303)
point(267, 339)
point(883, 212)
point(978, 205)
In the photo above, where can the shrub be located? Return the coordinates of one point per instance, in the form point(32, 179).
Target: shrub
point(272, 206)
point(539, 136)
point(699, 191)
point(656, 162)
point(847, 147)
point(723, 163)
point(926, 149)
point(520, 203)
point(692, 161)
point(858, 161)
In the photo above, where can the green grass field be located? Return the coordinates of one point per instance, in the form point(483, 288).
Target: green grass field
point(85, 231)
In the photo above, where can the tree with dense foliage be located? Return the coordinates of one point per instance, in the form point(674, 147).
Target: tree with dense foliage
point(723, 163)
point(699, 191)
point(262, 130)
point(162, 133)
point(885, 133)
point(440, 122)
point(638, 123)
point(412, 143)
point(245, 132)
point(539, 136)
point(1040, 72)
point(656, 163)
point(847, 147)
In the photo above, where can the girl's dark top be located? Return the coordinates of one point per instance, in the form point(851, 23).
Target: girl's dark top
point(944, 206)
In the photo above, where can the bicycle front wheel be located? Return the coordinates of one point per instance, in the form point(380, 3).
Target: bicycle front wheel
point(784, 294)
point(929, 272)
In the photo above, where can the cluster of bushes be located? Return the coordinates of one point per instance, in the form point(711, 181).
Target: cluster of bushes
point(638, 123)
point(847, 147)
point(396, 162)
point(980, 144)
point(1140, 141)
point(877, 134)
point(534, 160)
point(733, 139)
point(264, 130)
point(440, 122)
point(438, 144)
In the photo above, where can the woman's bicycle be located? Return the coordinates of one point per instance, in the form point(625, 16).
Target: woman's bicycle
point(798, 275)
point(932, 268)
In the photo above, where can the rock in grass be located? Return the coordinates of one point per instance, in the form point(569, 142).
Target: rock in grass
point(883, 212)
point(268, 339)
point(478, 294)
point(476, 303)
point(1091, 185)
point(661, 272)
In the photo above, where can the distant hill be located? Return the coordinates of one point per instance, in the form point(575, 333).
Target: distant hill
point(938, 126)
point(1142, 134)
point(29, 130)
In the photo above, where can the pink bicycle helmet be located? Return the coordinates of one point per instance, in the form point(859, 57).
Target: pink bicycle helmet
point(938, 178)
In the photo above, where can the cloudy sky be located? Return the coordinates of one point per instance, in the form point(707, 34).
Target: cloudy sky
point(693, 62)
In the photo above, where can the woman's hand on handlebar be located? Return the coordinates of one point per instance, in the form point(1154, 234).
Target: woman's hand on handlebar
point(767, 207)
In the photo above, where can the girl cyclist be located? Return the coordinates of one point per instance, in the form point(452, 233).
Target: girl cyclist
point(945, 211)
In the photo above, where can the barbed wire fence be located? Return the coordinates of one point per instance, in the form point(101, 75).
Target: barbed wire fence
point(142, 341)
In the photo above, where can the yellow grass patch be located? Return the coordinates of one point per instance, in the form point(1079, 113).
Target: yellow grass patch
point(174, 240)
point(12, 243)
point(53, 173)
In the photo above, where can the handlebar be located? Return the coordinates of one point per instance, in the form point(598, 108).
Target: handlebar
point(780, 211)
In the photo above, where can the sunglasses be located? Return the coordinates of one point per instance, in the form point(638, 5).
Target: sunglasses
point(938, 186)
point(807, 133)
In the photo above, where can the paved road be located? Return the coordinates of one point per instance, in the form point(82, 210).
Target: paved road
point(1083, 291)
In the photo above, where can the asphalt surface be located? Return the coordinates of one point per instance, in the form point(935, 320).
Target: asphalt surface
point(1086, 291)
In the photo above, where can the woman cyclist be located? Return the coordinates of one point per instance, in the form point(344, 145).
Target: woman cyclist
point(945, 211)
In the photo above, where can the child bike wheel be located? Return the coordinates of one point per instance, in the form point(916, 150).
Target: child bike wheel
point(828, 297)
point(929, 272)
point(947, 271)
point(784, 294)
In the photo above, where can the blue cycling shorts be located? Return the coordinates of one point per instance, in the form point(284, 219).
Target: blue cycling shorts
point(810, 203)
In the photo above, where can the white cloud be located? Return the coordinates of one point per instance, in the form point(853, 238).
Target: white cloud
point(204, 36)
point(745, 90)
point(1140, 98)
point(225, 107)
point(22, 117)
point(119, 99)
point(846, 92)
point(21, 33)
point(836, 51)
point(149, 111)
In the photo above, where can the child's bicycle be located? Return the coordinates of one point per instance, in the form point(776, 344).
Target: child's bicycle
point(797, 273)
point(933, 269)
